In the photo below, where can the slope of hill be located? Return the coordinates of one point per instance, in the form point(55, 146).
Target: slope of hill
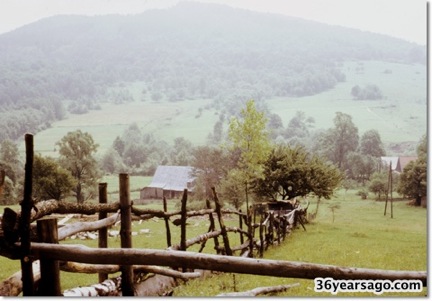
point(191, 51)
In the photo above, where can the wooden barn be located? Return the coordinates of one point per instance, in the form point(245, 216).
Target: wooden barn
point(169, 182)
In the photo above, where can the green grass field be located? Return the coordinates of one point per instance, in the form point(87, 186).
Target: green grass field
point(359, 236)
point(401, 116)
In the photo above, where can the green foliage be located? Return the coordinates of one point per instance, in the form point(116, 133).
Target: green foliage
point(378, 184)
point(50, 180)
point(210, 165)
point(363, 193)
point(371, 92)
point(413, 180)
point(371, 144)
point(11, 166)
point(292, 172)
point(233, 188)
point(77, 151)
point(248, 136)
point(338, 141)
point(360, 167)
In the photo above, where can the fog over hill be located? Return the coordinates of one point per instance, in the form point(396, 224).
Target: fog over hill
point(190, 51)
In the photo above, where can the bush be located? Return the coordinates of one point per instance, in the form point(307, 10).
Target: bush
point(363, 193)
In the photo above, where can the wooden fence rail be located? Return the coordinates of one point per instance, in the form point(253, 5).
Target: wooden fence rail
point(232, 264)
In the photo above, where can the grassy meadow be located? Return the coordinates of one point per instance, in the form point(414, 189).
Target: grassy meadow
point(358, 235)
point(400, 116)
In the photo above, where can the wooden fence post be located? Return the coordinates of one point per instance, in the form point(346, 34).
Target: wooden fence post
point(271, 230)
point(250, 231)
point(103, 232)
point(26, 206)
point(127, 283)
point(241, 227)
point(183, 221)
point(261, 234)
point(224, 233)
point(168, 231)
point(211, 228)
point(49, 284)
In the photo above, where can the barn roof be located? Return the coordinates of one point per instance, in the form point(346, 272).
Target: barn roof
point(403, 161)
point(172, 177)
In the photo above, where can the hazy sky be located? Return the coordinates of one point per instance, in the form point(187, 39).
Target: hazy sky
point(404, 19)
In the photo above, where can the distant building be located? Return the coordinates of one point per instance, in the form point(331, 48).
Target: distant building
point(169, 182)
point(397, 163)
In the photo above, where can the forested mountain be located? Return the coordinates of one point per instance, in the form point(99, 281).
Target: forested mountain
point(190, 51)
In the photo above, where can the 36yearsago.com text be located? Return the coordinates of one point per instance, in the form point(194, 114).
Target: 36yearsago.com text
point(378, 287)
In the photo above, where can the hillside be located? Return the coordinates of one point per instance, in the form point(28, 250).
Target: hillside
point(75, 64)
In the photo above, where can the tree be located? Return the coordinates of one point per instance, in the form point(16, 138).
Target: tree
point(76, 155)
point(181, 153)
point(360, 167)
point(248, 135)
point(111, 162)
point(378, 184)
point(210, 165)
point(9, 159)
point(299, 126)
point(233, 188)
point(413, 179)
point(50, 180)
point(370, 144)
point(340, 140)
point(10, 165)
point(292, 172)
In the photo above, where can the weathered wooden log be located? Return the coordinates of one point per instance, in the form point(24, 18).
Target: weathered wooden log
point(156, 285)
point(204, 237)
point(260, 291)
point(109, 287)
point(53, 206)
point(192, 260)
point(150, 213)
point(77, 227)
point(75, 267)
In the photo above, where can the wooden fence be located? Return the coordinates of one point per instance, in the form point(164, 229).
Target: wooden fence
point(42, 257)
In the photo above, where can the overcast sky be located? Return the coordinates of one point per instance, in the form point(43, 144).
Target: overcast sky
point(404, 19)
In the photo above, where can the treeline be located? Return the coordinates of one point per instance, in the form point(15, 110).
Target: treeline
point(249, 165)
point(184, 52)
